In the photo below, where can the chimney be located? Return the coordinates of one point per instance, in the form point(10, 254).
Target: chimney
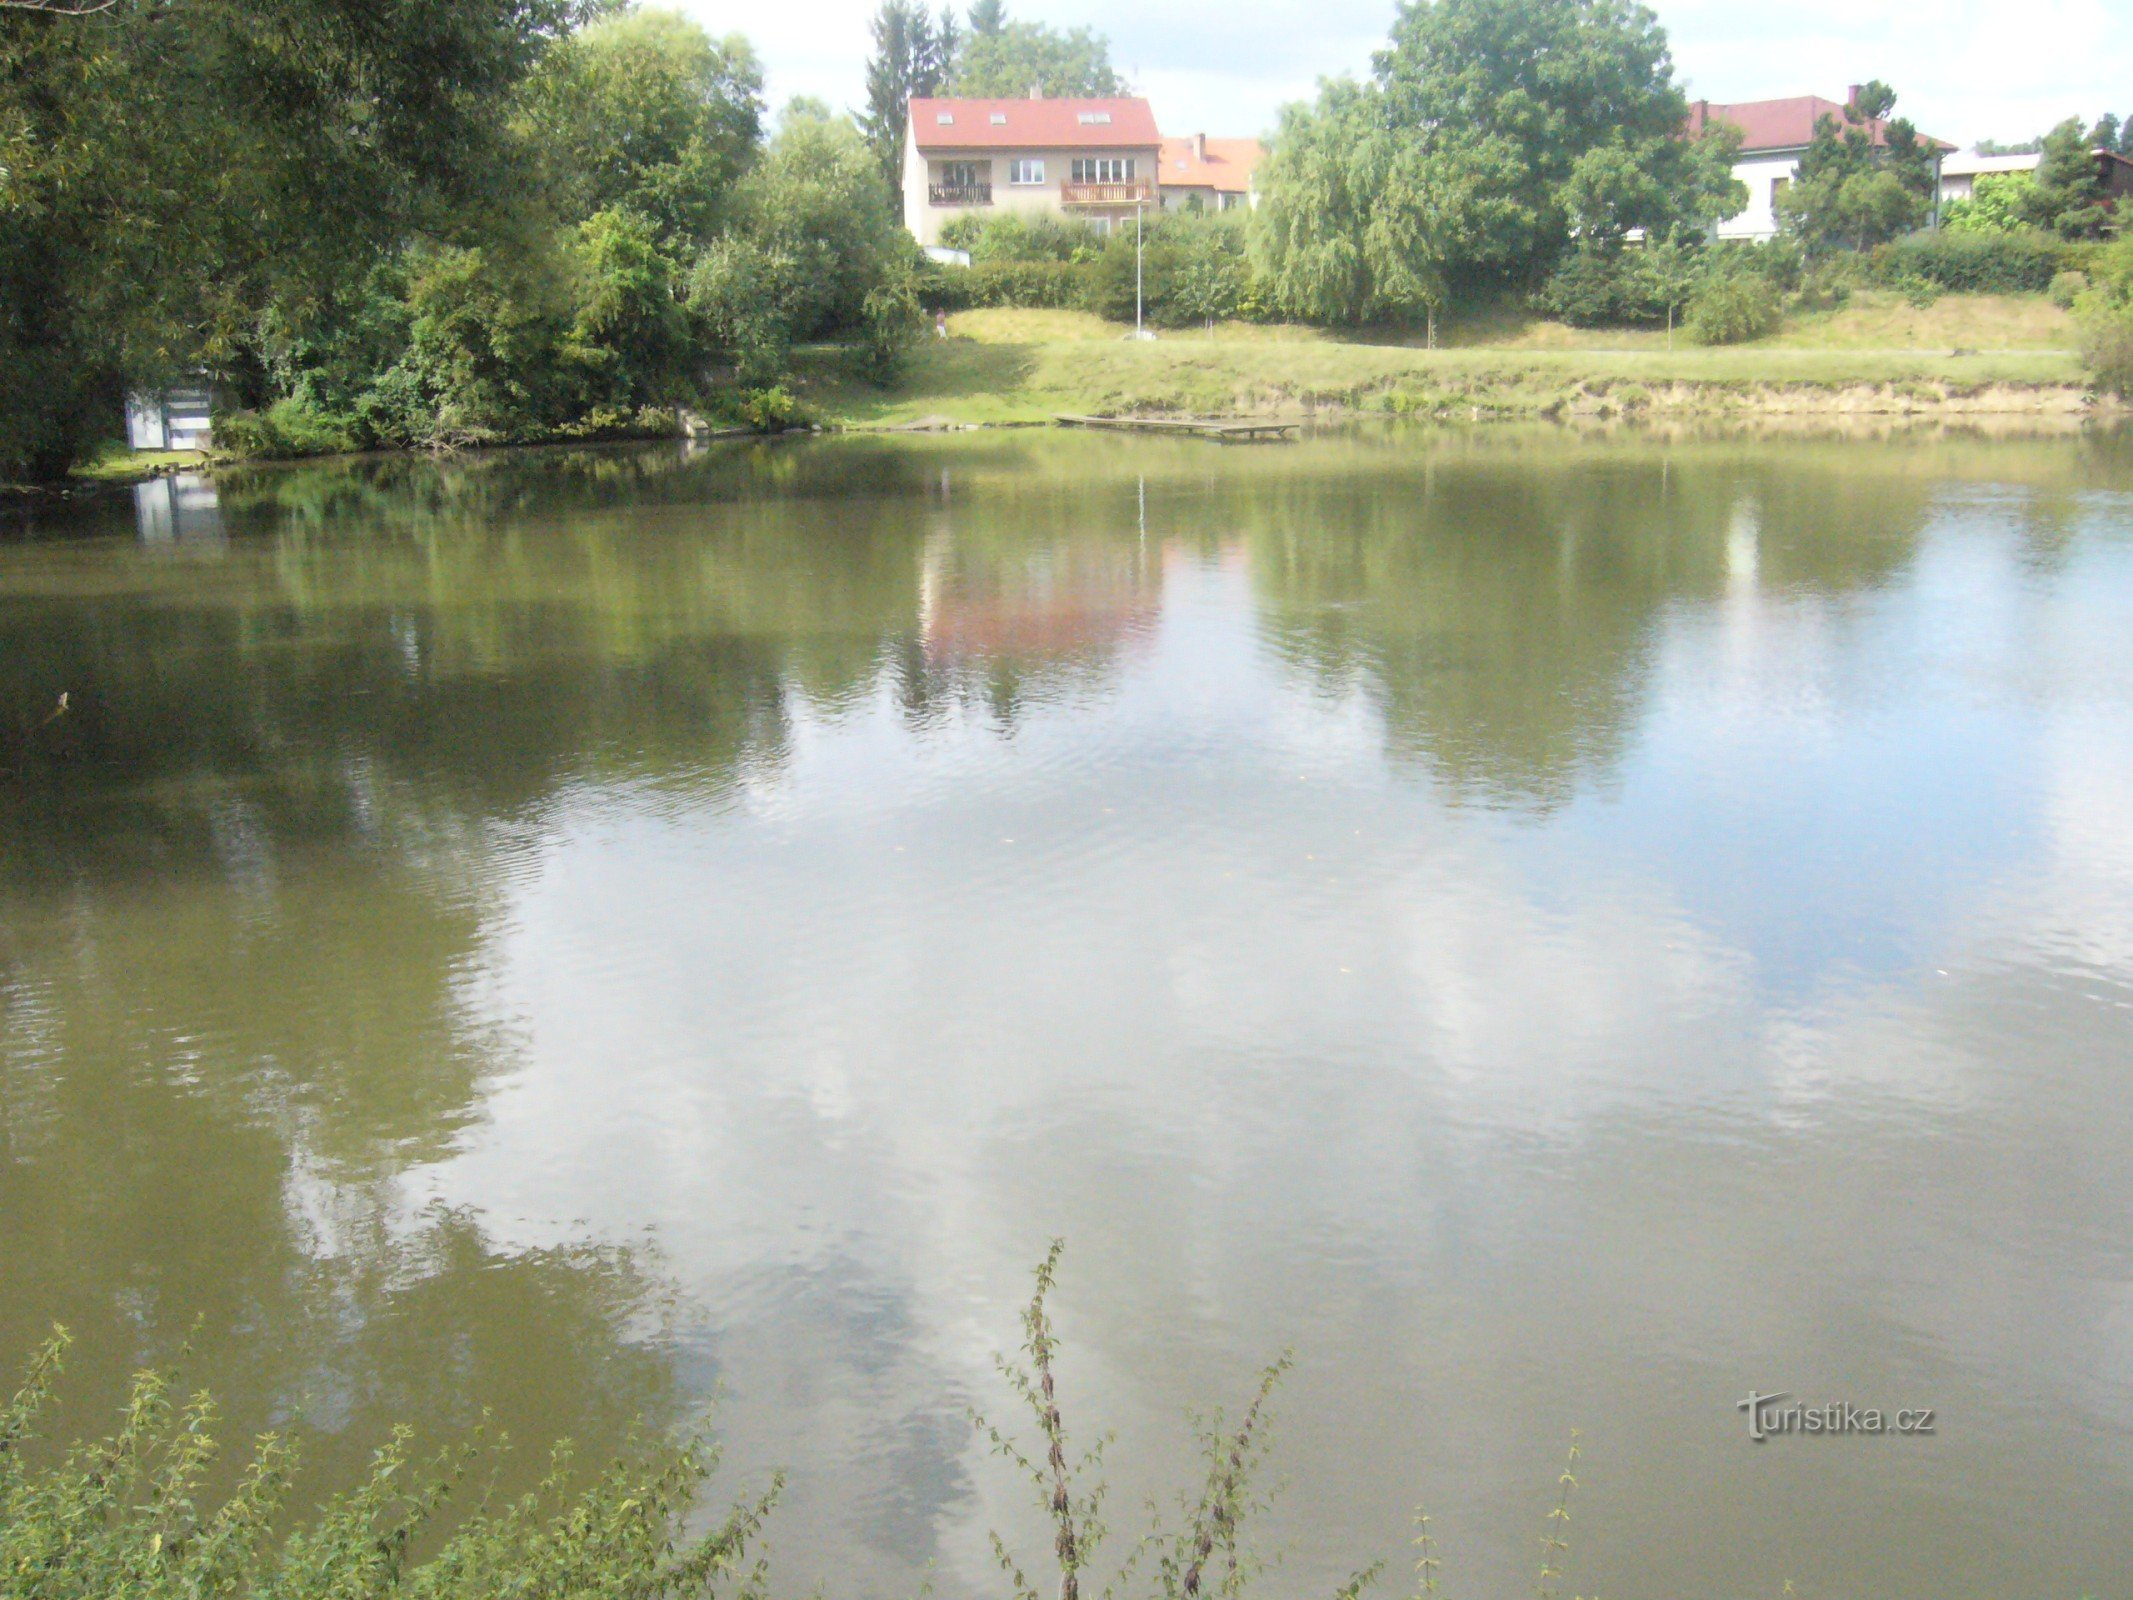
point(1851, 95)
point(1199, 148)
point(1036, 91)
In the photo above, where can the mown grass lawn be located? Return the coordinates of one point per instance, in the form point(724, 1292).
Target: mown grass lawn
point(1002, 366)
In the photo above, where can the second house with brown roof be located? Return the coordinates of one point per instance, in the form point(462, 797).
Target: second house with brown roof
point(1206, 174)
point(1095, 160)
point(1775, 135)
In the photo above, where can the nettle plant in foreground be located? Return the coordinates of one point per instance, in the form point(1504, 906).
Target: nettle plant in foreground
point(121, 1516)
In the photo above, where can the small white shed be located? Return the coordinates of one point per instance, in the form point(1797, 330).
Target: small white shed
point(176, 419)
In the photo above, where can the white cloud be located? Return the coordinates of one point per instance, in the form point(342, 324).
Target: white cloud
point(1968, 69)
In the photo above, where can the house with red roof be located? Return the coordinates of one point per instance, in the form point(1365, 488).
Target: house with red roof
point(1775, 134)
point(1219, 174)
point(1096, 160)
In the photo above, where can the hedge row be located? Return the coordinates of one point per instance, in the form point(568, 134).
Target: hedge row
point(1028, 285)
point(1977, 263)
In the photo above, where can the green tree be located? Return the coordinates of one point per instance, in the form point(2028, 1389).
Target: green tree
point(987, 18)
point(1531, 89)
point(645, 111)
point(1866, 178)
point(1307, 236)
point(742, 298)
point(628, 334)
point(816, 200)
point(173, 170)
point(1496, 132)
point(1021, 57)
point(2105, 315)
point(2068, 196)
point(913, 56)
point(1664, 188)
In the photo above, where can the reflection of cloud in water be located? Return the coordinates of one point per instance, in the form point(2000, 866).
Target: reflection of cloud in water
point(1557, 932)
point(1293, 1052)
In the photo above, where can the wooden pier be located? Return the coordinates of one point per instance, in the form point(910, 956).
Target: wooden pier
point(1228, 431)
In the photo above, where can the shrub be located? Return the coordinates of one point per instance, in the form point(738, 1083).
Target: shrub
point(1028, 285)
point(891, 326)
point(1972, 263)
point(1732, 308)
point(1603, 289)
point(2107, 347)
point(1191, 270)
point(119, 1517)
point(285, 430)
point(1009, 236)
point(772, 410)
point(2001, 203)
point(622, 422)
point(2068, 287)
point(743, 303)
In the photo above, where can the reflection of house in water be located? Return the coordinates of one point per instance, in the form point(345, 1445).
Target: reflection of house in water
point(1035, 604)
point(182, 508)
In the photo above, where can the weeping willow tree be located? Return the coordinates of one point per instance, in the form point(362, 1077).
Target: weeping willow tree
point(1493, 135)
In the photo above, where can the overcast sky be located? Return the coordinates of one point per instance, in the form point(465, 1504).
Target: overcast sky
point(1966, 69)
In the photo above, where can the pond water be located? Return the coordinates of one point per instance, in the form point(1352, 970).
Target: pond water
point(1559, 933)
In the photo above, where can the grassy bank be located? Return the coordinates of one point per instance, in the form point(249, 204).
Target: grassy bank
point(121, 465)
point(1984, 355)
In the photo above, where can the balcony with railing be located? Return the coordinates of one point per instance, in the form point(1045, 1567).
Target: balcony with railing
point(1107, 194)
point(959, 194)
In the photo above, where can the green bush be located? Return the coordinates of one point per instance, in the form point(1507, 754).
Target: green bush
point(121, 1517)
point(1603, 289)
point(1972, 263)
point(1029, 285)
point(2067, 288)
point(284, 431)
point(620, 422)
point(893, 319)
point(1733, 308)
point(1010, 236)
point(2107, 346)
point(1184, 271)
point(773, 410)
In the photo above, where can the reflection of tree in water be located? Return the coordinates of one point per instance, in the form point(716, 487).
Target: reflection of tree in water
point(249, 882)
point(167, 1198)
point(1503, 611)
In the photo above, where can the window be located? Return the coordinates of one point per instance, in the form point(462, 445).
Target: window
point(1777, 187)
point(1025, 172)
point(964, 175)
point(1103, 169)
point(1095, 119)
point(945, 118)
point(999, 119)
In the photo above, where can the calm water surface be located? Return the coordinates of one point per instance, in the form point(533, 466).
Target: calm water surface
point(1559, 934)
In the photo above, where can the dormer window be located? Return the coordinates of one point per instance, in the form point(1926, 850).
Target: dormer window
point(1095, 119)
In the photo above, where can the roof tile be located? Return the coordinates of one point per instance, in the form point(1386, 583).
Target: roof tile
point(1226, 168)
point(1779, 124)
point(1033, 124)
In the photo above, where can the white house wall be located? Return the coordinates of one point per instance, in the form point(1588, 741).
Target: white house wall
point(1760, 173)
point(926, 220)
